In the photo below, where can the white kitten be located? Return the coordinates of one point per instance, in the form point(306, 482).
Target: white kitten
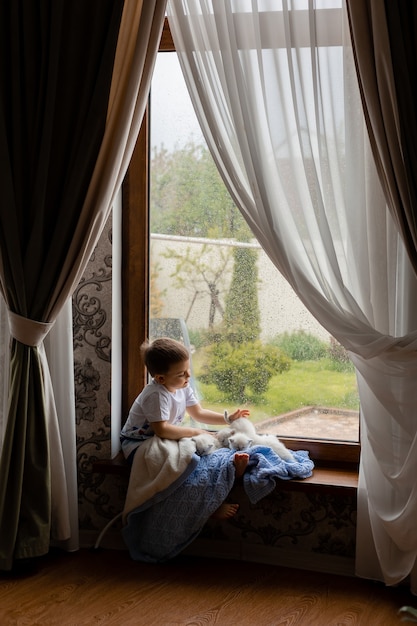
point(276, 445)
point(239, 441)
point(187, 446)
point(205, 443)
point(223, 437)
point(238, 436)
point(244, 425)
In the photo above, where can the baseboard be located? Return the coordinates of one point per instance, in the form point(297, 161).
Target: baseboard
point(112, 540)
point(325, 563)
point(210, 548)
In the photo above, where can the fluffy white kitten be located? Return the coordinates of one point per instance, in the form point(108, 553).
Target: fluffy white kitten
point(238, 436)
point(239, 441)
point(276, 445)
point(245, 426)
point(187, 446)
point(205, 443)
point(223, 437)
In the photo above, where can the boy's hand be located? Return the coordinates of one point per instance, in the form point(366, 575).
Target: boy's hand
point(238, 413)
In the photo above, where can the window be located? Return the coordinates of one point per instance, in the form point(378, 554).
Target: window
point(190, 256)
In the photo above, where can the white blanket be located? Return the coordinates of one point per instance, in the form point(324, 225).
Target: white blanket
point(156, 465)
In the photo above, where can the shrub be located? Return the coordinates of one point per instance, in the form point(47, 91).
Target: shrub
point(249, 366)
point(301, 346)
point(242, 316)
point(197, 338)
point(339, 357)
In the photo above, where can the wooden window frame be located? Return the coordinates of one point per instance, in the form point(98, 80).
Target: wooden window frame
point(135, 293)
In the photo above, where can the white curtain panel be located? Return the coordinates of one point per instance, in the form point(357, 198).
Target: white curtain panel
point(59, 349)
point(274, 88)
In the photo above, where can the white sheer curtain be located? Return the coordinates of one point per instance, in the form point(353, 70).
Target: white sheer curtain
point(59, 348)
point(275, 90)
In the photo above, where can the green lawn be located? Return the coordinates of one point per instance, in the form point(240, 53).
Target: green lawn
point(307, 383)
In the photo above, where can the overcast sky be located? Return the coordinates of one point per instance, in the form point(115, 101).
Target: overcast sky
point(173, 121)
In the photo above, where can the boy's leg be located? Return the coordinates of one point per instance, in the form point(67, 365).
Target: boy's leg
point(240, 460)
point(226, 510)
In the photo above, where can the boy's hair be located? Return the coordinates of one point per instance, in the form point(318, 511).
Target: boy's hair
point(162, 353)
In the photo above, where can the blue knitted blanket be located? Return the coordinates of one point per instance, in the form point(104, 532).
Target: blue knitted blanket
point(164, 525)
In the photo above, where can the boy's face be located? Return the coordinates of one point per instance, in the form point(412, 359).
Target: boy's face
point(177, 376)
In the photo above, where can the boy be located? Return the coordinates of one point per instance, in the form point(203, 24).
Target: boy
point(160, 408)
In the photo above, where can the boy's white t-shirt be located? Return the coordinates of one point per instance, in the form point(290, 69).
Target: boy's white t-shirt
point(154, 404)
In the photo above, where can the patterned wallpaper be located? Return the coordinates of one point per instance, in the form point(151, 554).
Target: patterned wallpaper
point(302, 526)
point(99, 498)
point(293, 528)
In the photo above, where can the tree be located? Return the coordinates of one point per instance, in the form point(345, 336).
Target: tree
point(242, 316)
point(202, 273)
point(189, 197)
point(156, 296)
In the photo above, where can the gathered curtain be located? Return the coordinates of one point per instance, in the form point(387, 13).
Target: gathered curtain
point(74, 81)
point(384, 39)
point(275, 90)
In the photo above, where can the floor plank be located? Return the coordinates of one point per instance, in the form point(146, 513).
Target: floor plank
point(86, 588)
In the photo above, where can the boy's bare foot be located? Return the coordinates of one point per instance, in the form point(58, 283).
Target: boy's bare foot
point(225, 511)
point(240, 460)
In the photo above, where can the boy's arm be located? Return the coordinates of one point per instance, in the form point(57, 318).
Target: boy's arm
point(165, 430)
point(212, 417)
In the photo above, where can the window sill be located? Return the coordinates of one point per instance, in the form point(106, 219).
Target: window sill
point(327, 453)
point(117, 465)
point(327, 477)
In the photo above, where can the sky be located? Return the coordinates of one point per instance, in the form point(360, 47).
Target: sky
point(171, 107)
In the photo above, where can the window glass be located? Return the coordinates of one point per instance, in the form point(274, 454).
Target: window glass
point(253, 343)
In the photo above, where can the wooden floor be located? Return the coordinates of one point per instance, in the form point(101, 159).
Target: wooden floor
point(106, 587)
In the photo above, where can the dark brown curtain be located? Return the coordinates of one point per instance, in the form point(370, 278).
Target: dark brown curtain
point(56, 63)
point(384, 39)
point(74, 80)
